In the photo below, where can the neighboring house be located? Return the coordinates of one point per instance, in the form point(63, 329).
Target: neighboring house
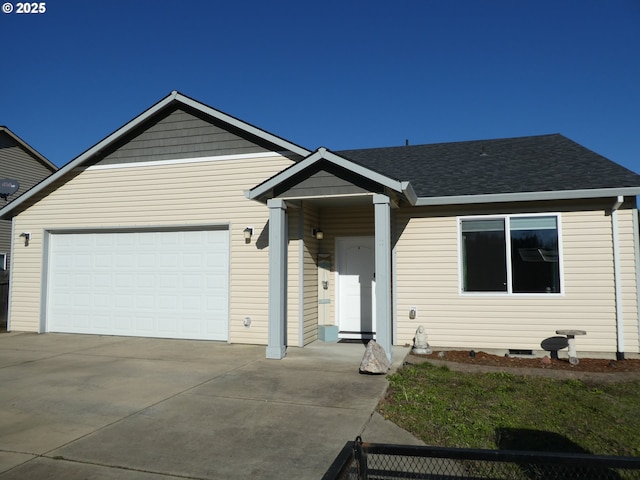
point(18, 161)
point(189, 223)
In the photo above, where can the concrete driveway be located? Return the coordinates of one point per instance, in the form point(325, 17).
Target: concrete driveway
point(83, 406)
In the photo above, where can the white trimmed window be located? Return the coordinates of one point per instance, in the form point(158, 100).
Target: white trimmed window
point(510, 254)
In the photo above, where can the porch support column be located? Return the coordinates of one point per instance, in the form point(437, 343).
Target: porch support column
point(276, 347)
point(382, 210)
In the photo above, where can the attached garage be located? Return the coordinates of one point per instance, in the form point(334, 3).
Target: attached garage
point(150, 283)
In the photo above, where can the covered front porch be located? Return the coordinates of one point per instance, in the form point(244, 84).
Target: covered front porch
point(339, 214)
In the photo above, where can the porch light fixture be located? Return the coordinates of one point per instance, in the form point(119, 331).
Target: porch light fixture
point(248, 233)
point(317, 233)
point(27, 237)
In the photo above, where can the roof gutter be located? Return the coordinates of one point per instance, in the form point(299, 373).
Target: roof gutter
point(617, 277)
point(409, 192)
point(528, 196)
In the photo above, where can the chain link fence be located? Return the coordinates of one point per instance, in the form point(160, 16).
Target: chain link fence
point(371, 461)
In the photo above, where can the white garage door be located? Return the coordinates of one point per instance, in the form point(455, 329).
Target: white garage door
point(168, 284)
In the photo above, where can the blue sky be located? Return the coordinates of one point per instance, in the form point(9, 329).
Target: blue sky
point(340, 74)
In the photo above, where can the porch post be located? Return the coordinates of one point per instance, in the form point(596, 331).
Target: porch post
point(276, 347)
point(383, 272)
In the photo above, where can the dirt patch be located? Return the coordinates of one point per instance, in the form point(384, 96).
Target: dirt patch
point(595, 368)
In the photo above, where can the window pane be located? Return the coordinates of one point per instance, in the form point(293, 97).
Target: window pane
point(484, 256)
point(534, 255)
point(533, 223)
point(483, 225)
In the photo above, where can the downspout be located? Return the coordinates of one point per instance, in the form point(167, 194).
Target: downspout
point(617, 277)
point(636, 256)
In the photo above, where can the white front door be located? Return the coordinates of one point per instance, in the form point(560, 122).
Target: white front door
point(356, 286)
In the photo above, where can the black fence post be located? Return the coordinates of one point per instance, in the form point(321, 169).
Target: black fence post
point(361, 459)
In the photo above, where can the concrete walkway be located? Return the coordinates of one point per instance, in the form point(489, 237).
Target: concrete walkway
point(76, 407)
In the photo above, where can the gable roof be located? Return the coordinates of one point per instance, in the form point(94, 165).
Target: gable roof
point(545, 167)
point(170, 101)
point(322, 155)
point(28, 148)
point(510, 169)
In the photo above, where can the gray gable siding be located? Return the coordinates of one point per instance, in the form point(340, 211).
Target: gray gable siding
point(326, 178)
point(181, 134)
point(322, 183)
point(16, 163)
point(5, 239)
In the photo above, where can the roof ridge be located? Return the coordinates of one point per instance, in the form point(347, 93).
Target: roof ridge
point(454, 142)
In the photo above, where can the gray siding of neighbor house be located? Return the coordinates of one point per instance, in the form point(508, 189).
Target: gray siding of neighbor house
point(18, 164)
point(181, 134)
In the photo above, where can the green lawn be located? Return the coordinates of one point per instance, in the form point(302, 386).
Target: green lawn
point(503, 410)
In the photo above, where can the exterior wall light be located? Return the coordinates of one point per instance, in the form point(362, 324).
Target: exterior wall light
point(317, 233)
point(248, 233)
point(27, 237)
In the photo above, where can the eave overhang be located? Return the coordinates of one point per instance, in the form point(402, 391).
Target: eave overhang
point(528, 196)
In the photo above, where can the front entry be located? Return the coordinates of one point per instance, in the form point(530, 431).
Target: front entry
point(356, 287)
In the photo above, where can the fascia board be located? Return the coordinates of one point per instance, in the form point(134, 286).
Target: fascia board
point(322, 154)
point(285, 174)
point(78, 161)
point(528, 196)
point(286, 145)
point(409, 192)
point(363, 171)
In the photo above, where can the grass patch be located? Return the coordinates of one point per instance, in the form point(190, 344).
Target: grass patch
point(501, 410)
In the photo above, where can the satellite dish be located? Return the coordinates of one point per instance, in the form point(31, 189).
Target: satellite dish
point(8, 187)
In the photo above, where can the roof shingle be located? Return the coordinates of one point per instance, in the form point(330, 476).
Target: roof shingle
point(483, 167)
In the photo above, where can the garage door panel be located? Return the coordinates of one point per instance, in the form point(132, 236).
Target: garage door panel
point(145, 281)
point(101, 323)
point(164, 284)
point(168, 281)
point(145, 324)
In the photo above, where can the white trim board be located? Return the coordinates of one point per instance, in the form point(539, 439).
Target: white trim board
point(154, 163)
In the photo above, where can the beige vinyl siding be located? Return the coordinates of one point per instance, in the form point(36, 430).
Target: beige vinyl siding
point(427, 277)
point(293, 277)
point(311, 246)
point(183, 194)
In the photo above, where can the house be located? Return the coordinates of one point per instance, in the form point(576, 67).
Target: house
point(22, 163)
point(189, 223)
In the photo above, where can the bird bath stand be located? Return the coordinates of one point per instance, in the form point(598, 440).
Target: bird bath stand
point(571, 340)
